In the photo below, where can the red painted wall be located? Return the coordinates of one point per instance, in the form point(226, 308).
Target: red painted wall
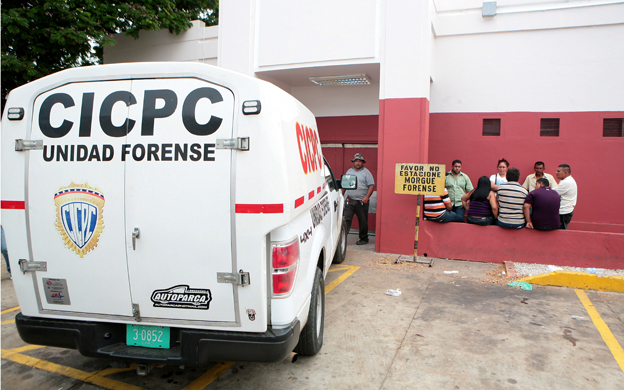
point(494, 244)
point(594, 159)
point(351, 130)
point(402, 134)
point(403, 137)
point(348, 129)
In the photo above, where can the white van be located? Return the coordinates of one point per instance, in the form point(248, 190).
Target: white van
point(168, 213)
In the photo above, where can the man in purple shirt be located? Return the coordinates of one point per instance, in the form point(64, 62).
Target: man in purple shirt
point(545, 203)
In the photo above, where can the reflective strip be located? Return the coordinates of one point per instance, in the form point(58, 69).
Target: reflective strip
point(13, 205)
point(259, 208)
point(270, 208)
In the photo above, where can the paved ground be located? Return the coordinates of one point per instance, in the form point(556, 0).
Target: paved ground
point(465, 330)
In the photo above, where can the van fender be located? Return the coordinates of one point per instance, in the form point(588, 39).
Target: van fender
point(319, 241)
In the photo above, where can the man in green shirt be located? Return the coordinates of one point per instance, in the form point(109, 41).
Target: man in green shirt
point(457, 184)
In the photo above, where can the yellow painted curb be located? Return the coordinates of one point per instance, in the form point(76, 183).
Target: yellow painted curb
point(581, 280)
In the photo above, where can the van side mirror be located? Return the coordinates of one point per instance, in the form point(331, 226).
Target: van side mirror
point(348, 182)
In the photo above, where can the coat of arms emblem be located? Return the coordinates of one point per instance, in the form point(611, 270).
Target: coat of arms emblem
point(79, 216)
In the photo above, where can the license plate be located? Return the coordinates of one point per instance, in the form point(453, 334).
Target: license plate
point(147, 336)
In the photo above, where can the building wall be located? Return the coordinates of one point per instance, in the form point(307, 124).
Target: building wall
point(199, 43)
point(580, 145)
point(524, 66)
point(437, 69)
point(314, 32)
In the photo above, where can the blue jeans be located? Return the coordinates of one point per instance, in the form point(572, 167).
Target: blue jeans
point(4, 251)
point(448, 216)
point(510, 225)
point(460, 211)
point(485, 221)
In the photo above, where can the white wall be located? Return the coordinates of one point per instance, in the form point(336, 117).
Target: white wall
point(339, 101)
point(236, 35)
point(554, 55)
point(405, 49)
point(535, 61)
point(308, 31)
point(199, 43)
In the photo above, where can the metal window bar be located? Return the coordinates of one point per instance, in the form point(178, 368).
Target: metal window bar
point(613, 127)
point(549, 127)
point(491, 127)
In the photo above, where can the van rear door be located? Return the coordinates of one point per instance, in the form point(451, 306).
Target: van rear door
point(178, 201)
point(130, 202)
point(75, 202)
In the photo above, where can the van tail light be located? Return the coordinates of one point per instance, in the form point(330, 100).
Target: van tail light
point(284, 261)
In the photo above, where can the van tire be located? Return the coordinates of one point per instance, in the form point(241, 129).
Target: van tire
point(311, 337)
point(341, 248)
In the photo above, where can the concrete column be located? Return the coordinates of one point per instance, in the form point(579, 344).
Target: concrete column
point(237, 24)
point(403, 116)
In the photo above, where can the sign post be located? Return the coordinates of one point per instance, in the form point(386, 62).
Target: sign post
point(419, 179)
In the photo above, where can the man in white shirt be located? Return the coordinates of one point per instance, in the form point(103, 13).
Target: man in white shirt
point(568, 191)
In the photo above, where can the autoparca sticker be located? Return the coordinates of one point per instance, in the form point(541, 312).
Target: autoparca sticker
point(182, 297)
point(79, 216)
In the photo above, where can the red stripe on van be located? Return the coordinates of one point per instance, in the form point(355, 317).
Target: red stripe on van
point(299, 202)
point(318, 190)
point(259, 208)
point(311, 195)
point(13, 205)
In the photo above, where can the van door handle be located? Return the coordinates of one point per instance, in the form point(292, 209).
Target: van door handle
point(135, 234)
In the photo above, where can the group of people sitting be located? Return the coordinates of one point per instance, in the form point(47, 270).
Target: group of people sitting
point(540, 203)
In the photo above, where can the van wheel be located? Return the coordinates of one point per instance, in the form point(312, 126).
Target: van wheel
point(341, 249)
point(311, 337)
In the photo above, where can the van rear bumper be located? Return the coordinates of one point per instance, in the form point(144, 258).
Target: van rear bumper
point(188, 346)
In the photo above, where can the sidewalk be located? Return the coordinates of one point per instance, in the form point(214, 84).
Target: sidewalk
point(543, 274)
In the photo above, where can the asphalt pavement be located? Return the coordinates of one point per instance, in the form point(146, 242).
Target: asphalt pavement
point(446, 330)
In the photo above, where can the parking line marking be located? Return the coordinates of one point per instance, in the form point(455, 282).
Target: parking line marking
point(7, 322)
point(605, 332)
point(98, 378)
point(341, 278)
point(25, 348)
point(338, 268)
point(222, 367)
point(209, 376)
point(9, 310)
point(69, 372)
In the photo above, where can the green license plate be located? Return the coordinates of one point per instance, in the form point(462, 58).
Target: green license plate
point(147, 336)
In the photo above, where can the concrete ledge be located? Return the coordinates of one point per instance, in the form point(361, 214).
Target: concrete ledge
point(596, 227)
point(494, 244)
point(582, 280)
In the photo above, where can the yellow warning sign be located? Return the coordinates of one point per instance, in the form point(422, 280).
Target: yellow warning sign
point(419, 179)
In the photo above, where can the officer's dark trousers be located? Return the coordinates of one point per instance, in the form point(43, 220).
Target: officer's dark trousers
point(361, 210)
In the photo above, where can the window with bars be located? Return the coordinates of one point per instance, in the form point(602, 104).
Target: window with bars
point(491, 127)
point(549, 127)
point(613, 127)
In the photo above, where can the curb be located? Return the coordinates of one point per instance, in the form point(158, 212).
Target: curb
point(581, 280)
